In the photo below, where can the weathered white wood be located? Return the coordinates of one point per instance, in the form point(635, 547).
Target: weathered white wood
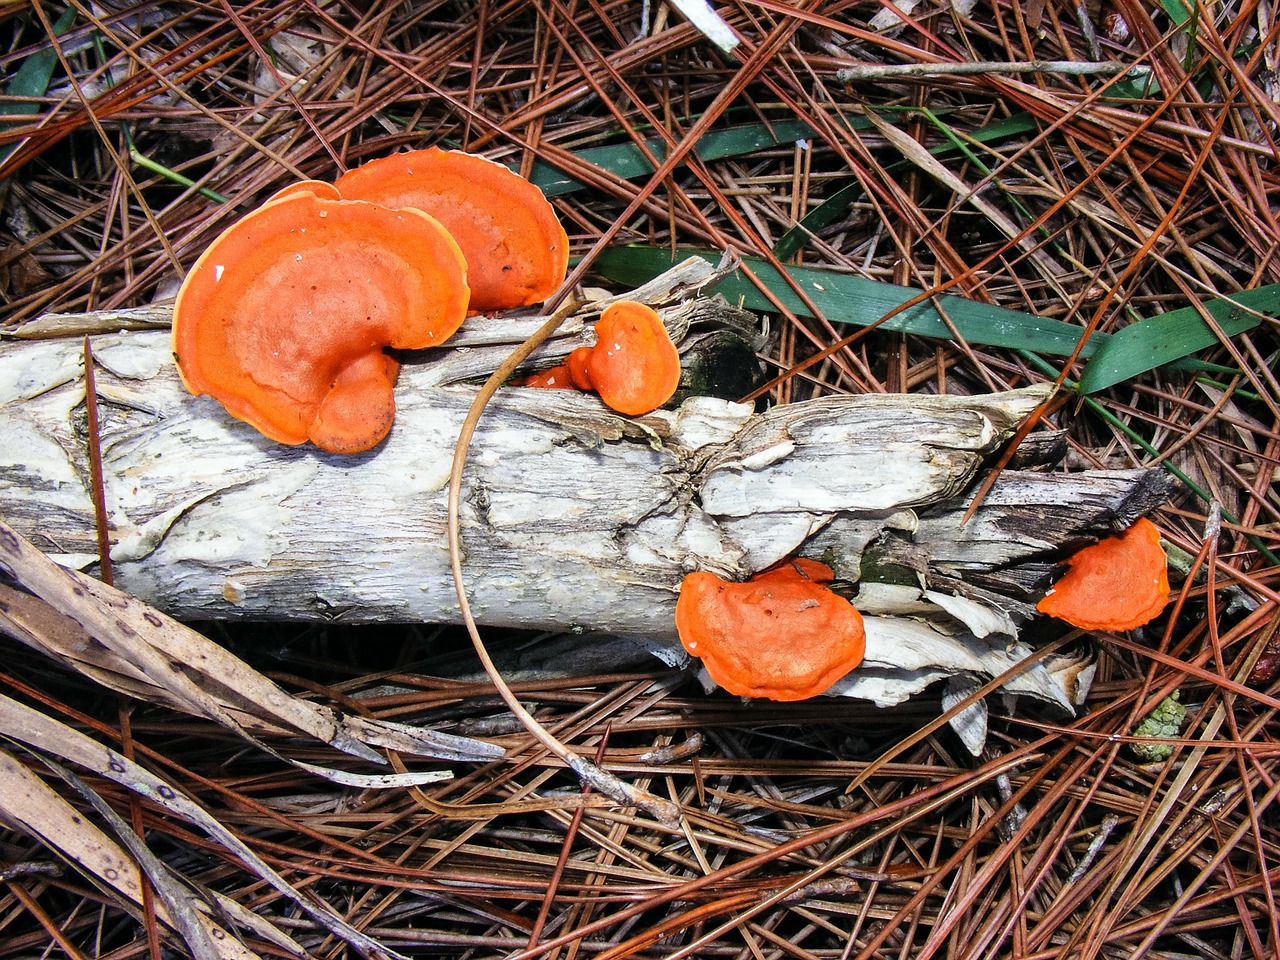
point(572, 515)
point(574, 518)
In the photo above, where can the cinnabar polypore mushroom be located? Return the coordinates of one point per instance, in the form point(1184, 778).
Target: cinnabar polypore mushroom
point(284, 318)
point(782, 635)
point(317, 188)
point(577, 364)
point(814, 571)
point(552, 378)
point(1118, 583)
point(634, 366)
point(517, 251)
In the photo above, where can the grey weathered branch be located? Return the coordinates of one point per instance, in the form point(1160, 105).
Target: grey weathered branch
point(893, 71)
point(574, 518)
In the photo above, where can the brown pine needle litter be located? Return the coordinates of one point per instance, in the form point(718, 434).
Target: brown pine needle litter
point(1094, 165)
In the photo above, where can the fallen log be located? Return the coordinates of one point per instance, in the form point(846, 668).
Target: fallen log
point(574, 519)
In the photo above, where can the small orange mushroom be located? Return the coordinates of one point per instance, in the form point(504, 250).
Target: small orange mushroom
point(285, 316)
point(577, 364)
point(782, 635)
point(517, 251)
point(1116, 584)
point(634, 366)
point(552, 378)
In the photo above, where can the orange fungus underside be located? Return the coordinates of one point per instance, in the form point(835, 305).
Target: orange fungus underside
point(782, 635)
point(517, 252)
point(1118, 583)
point(285, 317)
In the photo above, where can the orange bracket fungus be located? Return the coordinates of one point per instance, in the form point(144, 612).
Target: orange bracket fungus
point(517, 251)
point(782, 635)
point(1118, 583)
point(317, 188)
point(284, 318)
point(634, 366)
point(552, 378)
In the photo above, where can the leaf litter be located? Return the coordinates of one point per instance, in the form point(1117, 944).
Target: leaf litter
point(1115, 198)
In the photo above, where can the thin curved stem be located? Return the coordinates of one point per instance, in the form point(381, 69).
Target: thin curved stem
point(587, 772)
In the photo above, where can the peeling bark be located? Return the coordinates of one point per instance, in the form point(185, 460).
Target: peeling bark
point(574, 518)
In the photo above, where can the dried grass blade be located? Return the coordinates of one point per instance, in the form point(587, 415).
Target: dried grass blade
point(33, 728)
point(832, 208)
point(203, 677)
point(33, 807)
point(407, 739)
point(162, 892)
point(913, 151)
point(41, 627)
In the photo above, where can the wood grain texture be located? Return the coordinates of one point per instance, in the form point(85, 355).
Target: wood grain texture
point(572, 515)
point(574, 518)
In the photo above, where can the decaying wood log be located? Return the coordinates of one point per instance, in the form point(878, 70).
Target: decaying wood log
point(574, 518)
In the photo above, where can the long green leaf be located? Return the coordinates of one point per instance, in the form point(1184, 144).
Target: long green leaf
point(32, 78)
point(1179, 11)
point(823, 215)
point(627, 160)
point(844, 298)
point(1169, 339)
point(832, 208)
point(1156, 341)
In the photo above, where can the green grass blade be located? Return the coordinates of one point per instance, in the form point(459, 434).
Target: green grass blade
point(32, 78)
point(627, 160)
point(844, 298)
point(142, 160)
point(822, 215)
point(1179, 11)
point(1168, 337)
point(832, 208)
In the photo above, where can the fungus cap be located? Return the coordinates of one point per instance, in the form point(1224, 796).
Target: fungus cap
point(577, 364)
point(812, 570)
point(552, 378)
point(634, 366)
point(317, 188)
point(517, 251)
point(285, 316)
point(1118, 583)
point(781, 635)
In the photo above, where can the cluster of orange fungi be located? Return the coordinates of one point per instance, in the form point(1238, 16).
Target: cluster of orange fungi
point(286, 317)
point(634, 366)
point(785, 635)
